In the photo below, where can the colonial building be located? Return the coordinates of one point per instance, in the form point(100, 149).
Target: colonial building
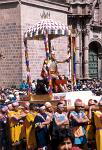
point(83, 18)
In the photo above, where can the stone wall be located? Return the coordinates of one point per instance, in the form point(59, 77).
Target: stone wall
point(16, 18)
point(10, 45)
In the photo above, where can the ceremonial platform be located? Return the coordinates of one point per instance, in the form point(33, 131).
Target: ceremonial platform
point(69, 97)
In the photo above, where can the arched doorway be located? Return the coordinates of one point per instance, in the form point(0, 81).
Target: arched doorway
point(94, 60)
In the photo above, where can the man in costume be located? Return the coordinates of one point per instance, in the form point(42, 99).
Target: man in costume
point(50, 68)
point(78, 119)
point(15, 121)
point(90, 127)
point(41, 129)
point(98, 125)
point(30, 130)
point(4, 141)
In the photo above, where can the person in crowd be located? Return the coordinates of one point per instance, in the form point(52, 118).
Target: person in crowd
point(33, 86)
point(50, 119)
point(98, 125)
point(61, 117)
point(95, 85)
point(15, 121)
point(49, 109)
point(64, 140)
point(78, 119)
point(41, 129)
point(24, 86)
point(79, 85)
point(90, 128)
point(30, 130)
point(17, 95)
point(9, 105)
point(62, 100)
point(4, 138)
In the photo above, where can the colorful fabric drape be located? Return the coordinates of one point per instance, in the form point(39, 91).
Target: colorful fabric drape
point(74, 63)
point(46, 42)
point(69, 54)
point(27, 65)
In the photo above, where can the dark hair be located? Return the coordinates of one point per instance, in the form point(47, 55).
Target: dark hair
point(60, 135)
point(31, 106)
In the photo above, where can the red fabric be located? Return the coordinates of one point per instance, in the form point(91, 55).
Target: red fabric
point(63, 81)
point(57, 82)
point(75, 148)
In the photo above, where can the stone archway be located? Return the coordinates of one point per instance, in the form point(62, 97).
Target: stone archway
point(95, 61)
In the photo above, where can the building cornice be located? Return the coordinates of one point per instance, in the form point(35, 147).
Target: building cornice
point(8, 1)
point(47, 5)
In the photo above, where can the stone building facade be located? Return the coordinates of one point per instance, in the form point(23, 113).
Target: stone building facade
point(82, 16)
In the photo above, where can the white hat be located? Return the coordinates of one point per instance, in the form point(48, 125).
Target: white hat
point(4, 108)
point(48, 104)
point(42, 107)
point(11, 95)
point(15, 103)
point(7, 100)
point(16, 93)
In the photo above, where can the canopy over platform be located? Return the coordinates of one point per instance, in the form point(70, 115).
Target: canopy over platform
point(46, 30)
point(53, 29)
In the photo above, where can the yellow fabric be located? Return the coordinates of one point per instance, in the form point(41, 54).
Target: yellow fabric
point(11, 125)
point(90, 133)
point(98, 124)
point(30, 132)
point(22, 127)
point(15, 128)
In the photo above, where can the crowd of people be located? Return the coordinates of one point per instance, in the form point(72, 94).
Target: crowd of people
point(64, 85)
point(28, 126)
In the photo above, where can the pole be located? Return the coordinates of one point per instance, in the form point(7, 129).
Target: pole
point(72, 62)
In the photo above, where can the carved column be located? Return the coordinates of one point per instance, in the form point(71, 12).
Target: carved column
point(86, 54)
point(78, 56)
point(78, 51)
